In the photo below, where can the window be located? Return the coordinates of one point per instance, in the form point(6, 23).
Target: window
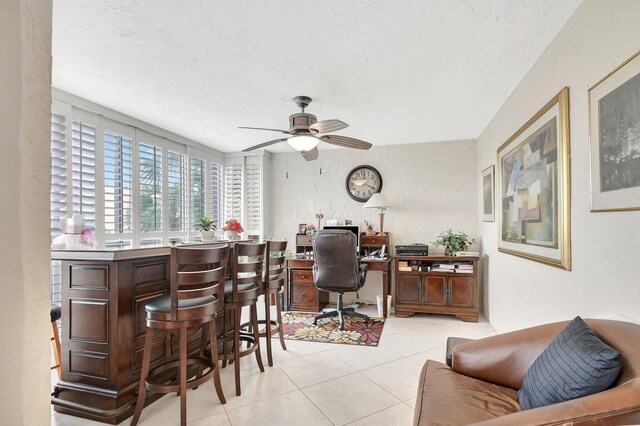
point(83, 169)
point(197, 189)
point(233, 192)
point(150, 188)
point(242, 194)
point(252, 199)
point(118, 184)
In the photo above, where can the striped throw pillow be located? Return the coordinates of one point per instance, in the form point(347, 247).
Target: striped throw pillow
point(576, 363)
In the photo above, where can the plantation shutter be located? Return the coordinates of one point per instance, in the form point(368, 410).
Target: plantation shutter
point(176, 180)
point(233, 191)
point(118, 183)
point(197, 189)
point(83, 170)
point(58, 173)
point(252, 198)
point(217, 195)
point(58, 195)
point(150, 174)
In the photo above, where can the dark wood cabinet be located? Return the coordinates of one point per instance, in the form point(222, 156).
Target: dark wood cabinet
point(302, 293)
point(454, 293)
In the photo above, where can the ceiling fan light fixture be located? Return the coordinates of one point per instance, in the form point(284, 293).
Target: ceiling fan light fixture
point(303, 143)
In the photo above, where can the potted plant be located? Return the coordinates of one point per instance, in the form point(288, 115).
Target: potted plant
point(453, 242)
point(310, 229)
point(369, 226)
point(232, 229)
point(207, 228)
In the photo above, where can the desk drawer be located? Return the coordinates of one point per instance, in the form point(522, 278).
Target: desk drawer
point(375, 241)
point(302, 277)
point(303, 295)
point(303, 240)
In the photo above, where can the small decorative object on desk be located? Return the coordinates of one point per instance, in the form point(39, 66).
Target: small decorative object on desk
point(76, 236)
point(370, 231)
point(453, 242)
point(319, 216)
point(232, 229)
point(311, 229)
point(207, 228)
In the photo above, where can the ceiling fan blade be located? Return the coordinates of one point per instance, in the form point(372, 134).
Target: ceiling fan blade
point(327, 126)
point(263, 144)
point(346, 142)
point(310, 155)
point(264, 128)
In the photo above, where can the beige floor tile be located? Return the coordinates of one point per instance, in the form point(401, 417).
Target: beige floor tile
point(411, 402)
point(293, 408)
point(202, 402)
point(255, 385)
point(315, 368)
point(415, 341)
point(349, 398)
point(362, 357)
point(218, 420)
point(437, 354)
point(398, 415)
point(400, 378)
point(58, 419)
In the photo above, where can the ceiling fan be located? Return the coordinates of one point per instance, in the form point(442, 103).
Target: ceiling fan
point(305, 132)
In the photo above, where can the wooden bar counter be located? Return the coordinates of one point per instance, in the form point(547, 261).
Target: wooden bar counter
point(103, 324)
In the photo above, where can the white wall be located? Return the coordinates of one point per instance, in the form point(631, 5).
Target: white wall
point(600, 36)
point(433, 187)
point(25, 107)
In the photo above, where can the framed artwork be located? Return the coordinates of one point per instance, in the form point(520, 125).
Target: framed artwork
point(302, 228)
point(534, 215)
point(488, 201)
point(614, 139)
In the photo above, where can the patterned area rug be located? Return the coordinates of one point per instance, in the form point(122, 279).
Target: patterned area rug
point(299, 326)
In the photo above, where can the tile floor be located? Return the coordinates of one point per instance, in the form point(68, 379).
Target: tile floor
point(320, 383)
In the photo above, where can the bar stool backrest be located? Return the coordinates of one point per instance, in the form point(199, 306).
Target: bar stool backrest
point(197, 274)
point(274, 275)
point(246, 271)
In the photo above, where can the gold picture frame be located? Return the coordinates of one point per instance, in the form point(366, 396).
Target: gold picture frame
point(487, 180)
point(614, 139)
point(533, 187)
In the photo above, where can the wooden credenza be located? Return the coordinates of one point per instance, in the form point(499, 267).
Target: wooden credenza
point(450, 293)
point(103, 326)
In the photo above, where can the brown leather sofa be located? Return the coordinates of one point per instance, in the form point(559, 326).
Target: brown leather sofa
point(482, 385)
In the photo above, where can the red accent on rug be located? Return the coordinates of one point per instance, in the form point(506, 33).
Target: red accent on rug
point(299, 326)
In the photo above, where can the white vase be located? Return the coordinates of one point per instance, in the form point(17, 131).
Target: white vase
point(231, 235)
point(207, 235)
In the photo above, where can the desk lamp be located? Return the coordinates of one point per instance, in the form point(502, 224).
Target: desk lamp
point(377, 201)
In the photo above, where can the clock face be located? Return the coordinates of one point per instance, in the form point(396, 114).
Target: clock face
point(362, 182)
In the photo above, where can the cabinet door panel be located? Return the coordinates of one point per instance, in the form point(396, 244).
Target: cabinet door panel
point(303, 294)
point(435, 291)
point(461, 293)
point(408, 287)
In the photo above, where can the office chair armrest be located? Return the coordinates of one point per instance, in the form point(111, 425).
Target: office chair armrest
point(362, 273)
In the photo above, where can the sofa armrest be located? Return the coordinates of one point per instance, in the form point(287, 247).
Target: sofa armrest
point(619, 405)
point(504, 359)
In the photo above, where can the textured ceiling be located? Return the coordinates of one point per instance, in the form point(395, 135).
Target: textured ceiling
point(395, 71)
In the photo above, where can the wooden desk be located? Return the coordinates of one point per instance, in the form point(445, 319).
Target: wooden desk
point(300, 293)
point(104, 293)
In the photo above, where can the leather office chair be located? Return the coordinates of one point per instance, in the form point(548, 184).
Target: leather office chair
point(196, 297)
point(336, 268)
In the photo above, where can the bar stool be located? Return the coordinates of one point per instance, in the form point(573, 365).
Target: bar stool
point(272, 286)
point(56, 314)
point(243, 289)
point(196, 283)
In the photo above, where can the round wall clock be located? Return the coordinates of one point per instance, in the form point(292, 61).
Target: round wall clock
point(362, 182)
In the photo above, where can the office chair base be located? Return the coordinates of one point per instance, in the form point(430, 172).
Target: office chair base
point(340, 314)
